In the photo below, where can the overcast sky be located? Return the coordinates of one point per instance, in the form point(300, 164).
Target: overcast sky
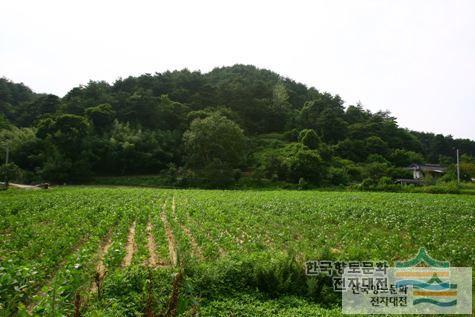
point(415, 58)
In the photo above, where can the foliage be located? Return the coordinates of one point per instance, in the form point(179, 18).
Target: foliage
point(141, 125)
point(10, 171)
point(101, 116)
point(309, 138)
point(405, 158)
point(291, 162)
point(248, 247)
point(214, 140)
point(467, 171)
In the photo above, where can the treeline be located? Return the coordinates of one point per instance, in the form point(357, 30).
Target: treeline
point(232, 123)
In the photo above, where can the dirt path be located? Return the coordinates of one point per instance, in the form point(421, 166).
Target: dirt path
point(153, 259)
point(130, 247)
point(100, 267)
point(170, 237)
point(195, 248)
point(22, 186)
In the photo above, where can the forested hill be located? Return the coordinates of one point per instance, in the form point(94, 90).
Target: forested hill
point(217, 126)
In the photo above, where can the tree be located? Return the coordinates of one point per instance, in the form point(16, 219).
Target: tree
point(79, 98)
point(375, 170)
point(467, 171)
point(138, 124)
point(3, 122)
point(310, 138)
point(214, 138)
point(356, 114)
point(224, 111)
point(301, 161)
point(352, 149)
point(101, 116)
point(13, 95)
point(23, 146)
point(279, 109)
point(325, 115)
point(171, 114)
point(375, 145)
point(132, 150)
point(41, 107)
point(66, 147)
point(67, 131)
point(403, 158)
point(292, 162)
point(9, 172)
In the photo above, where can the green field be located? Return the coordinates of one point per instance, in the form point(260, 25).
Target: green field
point(126, 252)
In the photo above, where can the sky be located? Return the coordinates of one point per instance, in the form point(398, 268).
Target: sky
point(414, 58)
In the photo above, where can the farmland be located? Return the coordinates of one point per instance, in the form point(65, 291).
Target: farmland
point(125, 251)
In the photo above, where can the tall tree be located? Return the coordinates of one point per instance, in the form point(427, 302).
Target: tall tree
point(214, 138)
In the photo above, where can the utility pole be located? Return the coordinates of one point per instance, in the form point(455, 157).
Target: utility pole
point(458, 167)
point(7, 153)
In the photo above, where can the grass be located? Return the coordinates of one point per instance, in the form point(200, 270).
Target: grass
point(239, 252)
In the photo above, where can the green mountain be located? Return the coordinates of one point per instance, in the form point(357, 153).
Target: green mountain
point(215, 126)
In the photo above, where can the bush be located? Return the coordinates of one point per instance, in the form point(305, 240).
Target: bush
point(309, 138)
point(367, 183)
point(291, 162)
point(10, 171)
point(447, 188)
point(274, 275)
point(385, 180)
point(302, 183)
point(338, 176)
point(218, 174)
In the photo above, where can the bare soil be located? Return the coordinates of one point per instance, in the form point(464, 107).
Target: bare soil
point(100, 267)
point(153, 260)
point(195, 248)
point(170, 236)
point(130, 247)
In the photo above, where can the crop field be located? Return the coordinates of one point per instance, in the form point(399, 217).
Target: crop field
point(97, 251)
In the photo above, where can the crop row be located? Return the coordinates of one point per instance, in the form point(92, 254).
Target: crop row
point(102, 251)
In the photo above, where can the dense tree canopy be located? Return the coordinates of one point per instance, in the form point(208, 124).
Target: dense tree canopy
point(214, 138)
point(234, 120)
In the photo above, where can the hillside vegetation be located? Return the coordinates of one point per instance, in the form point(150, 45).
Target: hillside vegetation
point(213, 128)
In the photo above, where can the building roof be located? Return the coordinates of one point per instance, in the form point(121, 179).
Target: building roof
point(428, 167)
point(408, 181)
